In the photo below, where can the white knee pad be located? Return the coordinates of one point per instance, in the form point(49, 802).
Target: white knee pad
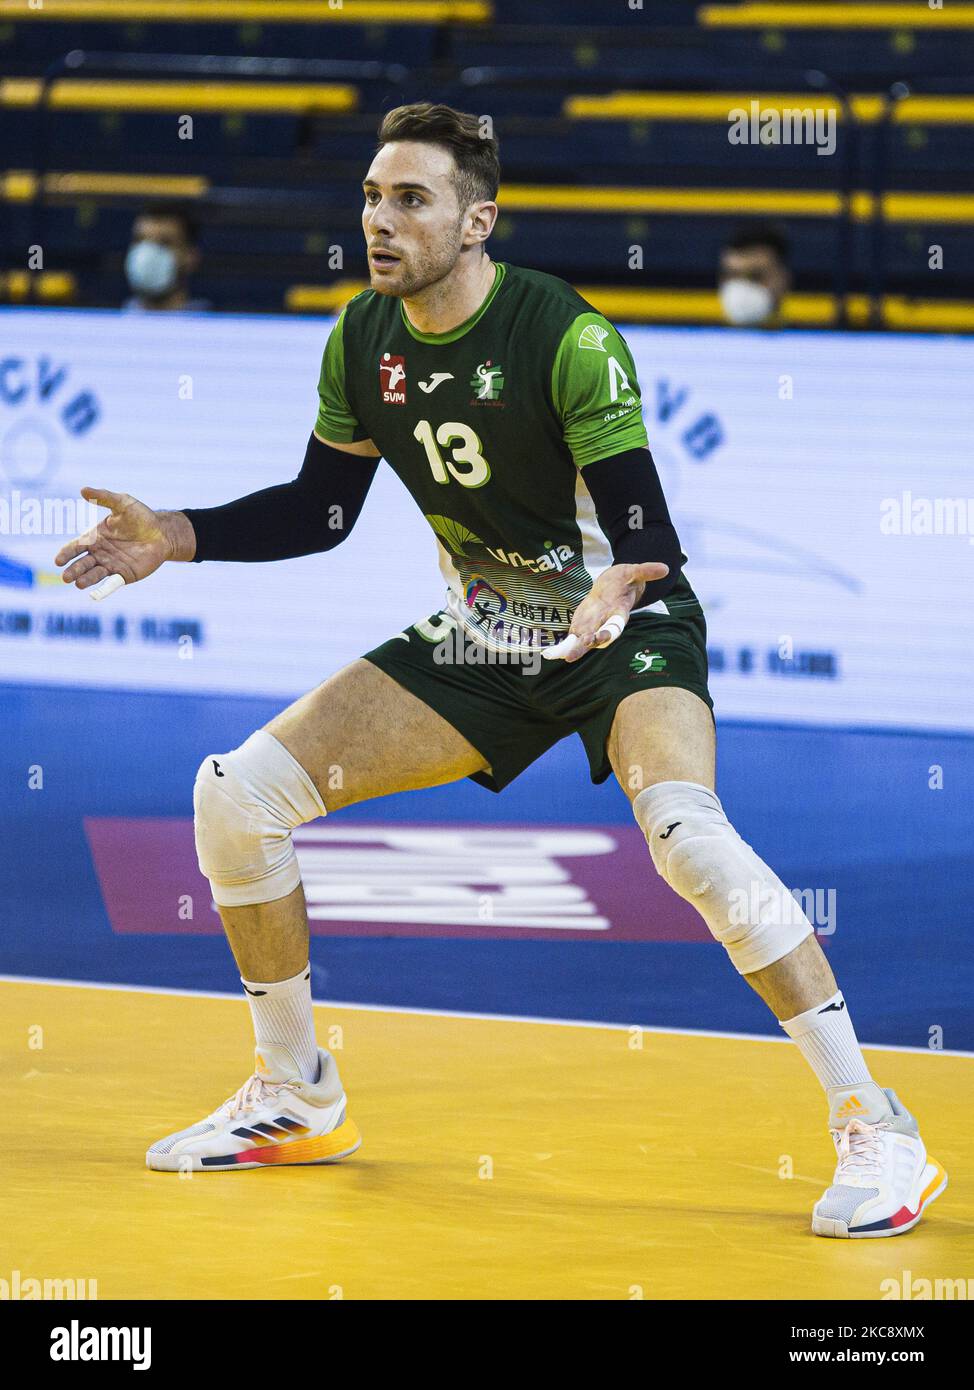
point(701, 856)
point(247, 802)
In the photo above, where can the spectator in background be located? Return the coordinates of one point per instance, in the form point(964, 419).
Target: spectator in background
point(754, 275)
point(163, 254)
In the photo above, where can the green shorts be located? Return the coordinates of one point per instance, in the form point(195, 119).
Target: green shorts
point(513, 710)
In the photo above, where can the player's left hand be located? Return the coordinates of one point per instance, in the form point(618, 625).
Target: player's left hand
point(604, 611)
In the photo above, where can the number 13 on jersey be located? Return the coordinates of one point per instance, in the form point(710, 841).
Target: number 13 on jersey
point(465, 451)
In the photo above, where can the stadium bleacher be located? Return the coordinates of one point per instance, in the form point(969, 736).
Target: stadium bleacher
point(610, 138)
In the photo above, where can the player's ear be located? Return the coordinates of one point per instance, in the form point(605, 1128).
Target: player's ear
point(480, 222)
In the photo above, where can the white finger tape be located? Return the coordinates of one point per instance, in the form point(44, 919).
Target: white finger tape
point(614, 626)
point(566, 647)
point(106, 586)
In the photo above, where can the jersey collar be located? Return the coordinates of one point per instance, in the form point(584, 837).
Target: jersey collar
point(500, 270)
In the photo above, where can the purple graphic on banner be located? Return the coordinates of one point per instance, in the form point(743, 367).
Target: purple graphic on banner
point(555, 882)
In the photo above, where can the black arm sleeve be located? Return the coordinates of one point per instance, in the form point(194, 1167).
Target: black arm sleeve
point(314, 512)
point(632, 511)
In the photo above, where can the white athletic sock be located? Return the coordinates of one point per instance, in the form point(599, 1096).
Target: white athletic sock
point(282, 1014)
point(827, 1040)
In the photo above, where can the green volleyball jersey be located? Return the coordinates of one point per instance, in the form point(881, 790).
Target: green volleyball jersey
point(490, 427)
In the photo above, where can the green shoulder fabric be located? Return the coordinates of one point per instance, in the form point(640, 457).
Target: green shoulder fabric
point(595, 391)
point(335, 421)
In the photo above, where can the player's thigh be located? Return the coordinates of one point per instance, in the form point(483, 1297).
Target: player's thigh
point(361, 735)
point(662, 735)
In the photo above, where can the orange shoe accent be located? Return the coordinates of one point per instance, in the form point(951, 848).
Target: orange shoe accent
point(346, 1136)
point(852, 1107)
point(934, 1182)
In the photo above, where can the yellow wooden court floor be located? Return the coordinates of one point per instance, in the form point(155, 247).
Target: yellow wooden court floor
point(501, 1160)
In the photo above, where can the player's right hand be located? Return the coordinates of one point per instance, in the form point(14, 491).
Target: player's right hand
point(131, 543)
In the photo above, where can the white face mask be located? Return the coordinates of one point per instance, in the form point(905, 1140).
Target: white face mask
point(744, 303)
point(151, 268)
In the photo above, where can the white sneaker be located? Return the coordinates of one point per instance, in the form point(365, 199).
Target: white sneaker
point(883, 1180)
point(275, 1117)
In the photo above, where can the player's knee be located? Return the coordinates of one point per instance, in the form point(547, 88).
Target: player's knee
point(247, 802)
point(700, 855)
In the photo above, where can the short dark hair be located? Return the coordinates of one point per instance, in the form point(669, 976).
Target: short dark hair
point(769, 234)
point(475, 153)
point(175, 212)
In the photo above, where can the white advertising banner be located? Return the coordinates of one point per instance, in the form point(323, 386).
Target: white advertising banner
point(822, 486)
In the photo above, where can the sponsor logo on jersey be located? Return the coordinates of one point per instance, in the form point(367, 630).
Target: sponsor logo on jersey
point(392, 379)
point(593, 336)
point(486, 601)
point(436, 379)
point(626, 407)
point(555, 557)
point(487, 381)
point(645, 661)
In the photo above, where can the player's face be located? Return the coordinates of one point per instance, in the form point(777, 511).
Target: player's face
point(414, 229)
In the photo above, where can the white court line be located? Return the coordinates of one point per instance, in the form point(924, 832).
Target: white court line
point(462, 1013)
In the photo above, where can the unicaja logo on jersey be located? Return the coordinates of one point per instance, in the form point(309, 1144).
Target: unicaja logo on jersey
point(487, 381)
point(392, 379)
point(555, 557)
point(593, 336)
